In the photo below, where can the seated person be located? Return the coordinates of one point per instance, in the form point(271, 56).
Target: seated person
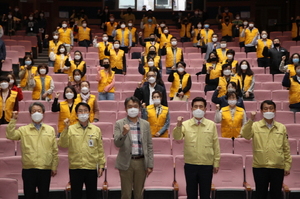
point(26, 71)
point(246, 80)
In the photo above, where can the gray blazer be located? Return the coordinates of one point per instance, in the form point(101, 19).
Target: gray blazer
point(125, 143)
point(210, 48)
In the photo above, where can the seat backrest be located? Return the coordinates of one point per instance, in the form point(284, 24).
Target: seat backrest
point(61, 179)
point(7, 147)
point(112, 174)
point(161, 146)
point(248, 171)
point(177, 147)
point(107, 129)
point(293, 180)
point(293, 131)
point(243, 147)
point(293, 146)
point(7, 65)
point(106, 146)
point(8, 188)
point(225, 145)
point(108, 105)
point(179, 175)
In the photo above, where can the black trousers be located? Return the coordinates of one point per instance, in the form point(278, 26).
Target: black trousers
point(33, 178)
point(80, 176)
point(117, 71)
point(250, 49)
point(198, 177)
point(263, 62)
point(85, 43)
point(265, 176)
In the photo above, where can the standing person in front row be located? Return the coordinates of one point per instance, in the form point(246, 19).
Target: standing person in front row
point(86, 154)
point(271, 151)
point(39, 151)
point(135, 158)
point(201, 150)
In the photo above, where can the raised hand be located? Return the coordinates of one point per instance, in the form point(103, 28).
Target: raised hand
point(126, 129)
point(179, 121)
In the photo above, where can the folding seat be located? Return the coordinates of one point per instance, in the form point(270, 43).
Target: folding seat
point(196, 86)
point(126, 94)
point(280, 95)
point(258, 70)
point(226, 145)
point(113, 182)
point(61, 150)
point(177, 147)
point(292, 181)
point(271, 86)
point(132, 71)
point(194, 56)
point(121, 114)
point(24, 118)
point(59, 87)
point(20, 49)
point(240, 55)
point(278, 77)
point(13, 55)
point(92, 49)
point(177, 106)
point(129, 87)
point(92, 55)
point(285, 105)
point(209, 95)
point(108, 105)
point(50, 117)
point(107, 128)
point(63, 77)
point(132, 63)
point(230, 176)
point(133, 78)
point(190, 70)
point(108, 116)
point(235, 48)
point(118, 95)
point(197, 64)
point(293, 146)
point(249, 60)
point(210, 115)
point(191, 50)
point(26, 44)
point(196, 94)
point(7, 147)
point(293, 130)
point(284, 38)
point(79, 48)
point(263, 78)
point(180, 184)
point(288, 44)
point(10, 42)
point(294, 49)
point(175, 114)
point(106, 146)
point(45, 103)
point(161, 146)
point(285, 117)
point(250, 105)
point(9, 188)
point(287, 33)
point(252, 55)
point(91, 62)
point(7, 65)
point(93, 78)
point(297, 117)
point(261, 95)
point(243, 147)
point(249, 179)
point(118, 86)
point(33, 40)
point(275, 34)
point(187, 44)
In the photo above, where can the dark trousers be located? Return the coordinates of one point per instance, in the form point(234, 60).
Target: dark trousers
point(198, 177)
point(33, 178)
point(80, 176)
point(250, 49)
point(84, 43)
point(263, 62)
point(117, 71)
point(265, 176)
point(227, 38)
point(125, 48)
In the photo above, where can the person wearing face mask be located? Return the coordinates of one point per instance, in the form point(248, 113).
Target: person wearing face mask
point(221, 52)
point(132, 135)
point(251, 34)
point(86, 153)
point(75, 82)
point(123, 35)
point(246, 80)
point(42, 24)
point(85, 96)
point(262, 48)
point(292, 63)
point(197, 42)
point(42, 84)
point(27, 69)
point(199, 16)
point(185, 30)
point(237, 21)
point(173, 55)
point(66, 35)
point(148, 16)
point(181, 83)
point(109, 27)
point(230, 60)
point(128, 16)
point(61, 59)
point(293, 85)
point(149, 60)
point(31, 26)
point(9, 24)
point(117, 58)
point(53, 46)
point(77, 63)
point(151, 41)
point(276, 53)
point(148, 27)
point(132, 30)
point(84, 34)
point(142, 70)
point(206, 34)
point(296, 28)
point(157, 115)
point(101, 46)
point(106, 82)
point(231, 117)
point(227, 14)
point(242, 36)
point(200, 160)
point(164, 38)
point(39, 151)
point(2, 53)
point(226, 29)
point(144, 93)
point(271, 151)
point(104, 16)
point(8, 101)
point(211, 46)
point(65, 108)
point(13, 85)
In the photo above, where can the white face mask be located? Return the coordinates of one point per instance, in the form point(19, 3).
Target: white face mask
point(111, 19)
point(132, 112)
point(85, 90)
point(156, 101)
point(199, 25)
point(166, 31)
point(232, 102)
point(55, 37)
point(104, 38)
point(150, 63)
point(231, 90)
point(229, 56)
point(69, 95)
point(30, 18)
point(37, 117)
point(84, 25)
point(77, 78)
point(116, 46)
point(264, 36)
point(198, 113)
point(4, 85)
point(223, 45)
point(42, 71)
point(83, 117)
point(62, 50)
point(64, 25)
point(251, 25)
point(214, 39)
point(129, 24)
point(227, 72)
point(151, 80)
point(162, 25)
point(245, 23)
point(9, 16)
point(181, 70)
point(174, 43)
point(123, 26)
point(269, 115)
point(77, 57)
point(11, 81)
point(237, 18)
point(244, 66)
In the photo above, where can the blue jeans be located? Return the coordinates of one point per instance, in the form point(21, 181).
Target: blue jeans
point(106, 96)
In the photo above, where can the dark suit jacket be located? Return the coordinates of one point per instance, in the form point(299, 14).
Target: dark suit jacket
point(275, 59)
point(125, 144)
point(143, 94)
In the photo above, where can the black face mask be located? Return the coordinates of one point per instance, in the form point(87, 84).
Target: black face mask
point(106, 66)
point(151, 39)
point(276, 45)
point(152, 52)
point(213, 59)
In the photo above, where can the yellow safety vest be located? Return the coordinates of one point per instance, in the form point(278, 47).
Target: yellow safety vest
point(106, 79)
point(148, 44)
point(119, 36)
point(65, 35)
point(90, 102)
point(83, 33)
point(207, 35)
point(36, 93)
point(73, 67)
point(231, 127)
point(53, 46)
point(249, 35)
point(59, 63)
point(223, 84)
point(156, 123)
point(247, 82)
point(110, 28)
point(216, 72)
point(148, 29)
point(261, 45)
point(116, 60)
point(226, 29)
point(33, 70)
point(294, 92)
point(176, 84)
point(221, 54)
point(65, 113)
point(9, 105)
point(165, 39)
point(101, 50)
point(133, 31)
point(185, 30)
point(170, 56)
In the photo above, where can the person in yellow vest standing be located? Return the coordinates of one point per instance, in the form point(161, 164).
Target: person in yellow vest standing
point(26, 70)
point(109, 27)
point(61, 59)
point(53, 46)
point(173, 55)
point(106, 82)
point(206, 35)
point(124, 36)
point(165, 38)
point(293, 84)
point(148, 27)
point(293, 62)
point(128, 16)
point(230, 60)
point(262, 50)
point(251, 34)
point(197, 42)
point(66, 35)
point(232, 117)
point(157, 115)
point(65, 108)
point(242, 37)
point(133, 32)
point(77, 63)
point(148, 42)
point(226, 28)
point(296, 28)
point(117, 58)
point(84, 34)
point(149, 60)
point(86, 97)
point(42, 84)
point(8, 101)
point(101, 46)
point(222, 51)
point(185, 30)
point(246, 80)
point(181, 83)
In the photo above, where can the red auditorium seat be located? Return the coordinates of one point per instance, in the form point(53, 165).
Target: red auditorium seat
point(7, 65)
point(107, 128)
point(161, 146)
point(225, 145)
point(243, 147)
point(180, 177)
point(7, 147)
point(27, 44)
point(9, 188)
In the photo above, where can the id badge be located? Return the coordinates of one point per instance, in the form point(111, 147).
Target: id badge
point(91, 143)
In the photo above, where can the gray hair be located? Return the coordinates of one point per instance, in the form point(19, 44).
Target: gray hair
point(37, 104)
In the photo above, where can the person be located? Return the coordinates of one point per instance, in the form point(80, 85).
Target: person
point(42, 24)
point(77, 63)
point(185, 30)
point(27, 69)
point(154, 69)
point(196, 38)
point(201, 149)
point(230, 60)
point(10, 24)
point(101, 46)
point(85, 96)
point(181, 82)
point(37, 140)
point(75, 82)
point(132, 30)
point(226, 14)
point(226, 29)
point(212, 46)
point(85, 152)
point(271, 160)
point(132, 135)
point(221, 52)
point(164, 37)
point(60, 59)
point(237, 23)
point(246, 80)
point(53, 46)
point(2, 54)
point(8, 101)
point(84, 34)
point(151, 41)
point(31, 25)
point(251, 34)
point(128, 16)
point(148, 27)
point(1, 31)
point(106, 82)
point(242, 36)
point(275, 55)
point(124, 36)
point(173, 55)
point(199, 16)
point(293, 85)
point(262, 48)
point(157, 115)
point(231, 117)
point(149, 15)
point(149, 60)
point(206, 34)
point(144, 93)
point(13, 85)
point(109, 27)
point(66, 36)
point(65, 108)
point(104, 16)
point(293, 61)
point(117, 58)
point(296, 28)
point(42, 84)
